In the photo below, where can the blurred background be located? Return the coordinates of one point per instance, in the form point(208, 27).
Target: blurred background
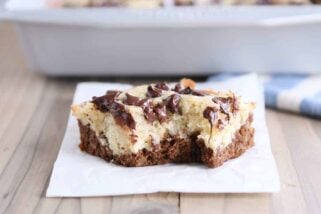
point(140, 40)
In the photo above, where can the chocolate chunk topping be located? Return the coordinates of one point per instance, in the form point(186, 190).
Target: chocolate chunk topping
point(199, 93)
point(210, 114)
point(131, 100)
point(153, 91)
point(102, 103)
point(152, 113)
point(173, 103)
point(121, 116)
point(144, 102)
point(160, 111)
point(107, 103)
point(177, 87)
point(226, 103)
point(188, 90)
point(149, 114)
point(111, 95)
point(236, 106)
point(162, 85)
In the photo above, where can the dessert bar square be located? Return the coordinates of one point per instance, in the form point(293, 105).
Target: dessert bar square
point(77, 173)
point(160, 123)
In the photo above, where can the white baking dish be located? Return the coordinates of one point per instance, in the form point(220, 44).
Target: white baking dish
point(169, 41)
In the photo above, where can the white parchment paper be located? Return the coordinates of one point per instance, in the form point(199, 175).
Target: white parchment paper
point(76, 173)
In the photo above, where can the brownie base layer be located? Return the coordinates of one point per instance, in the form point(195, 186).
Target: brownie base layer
point(171, 150)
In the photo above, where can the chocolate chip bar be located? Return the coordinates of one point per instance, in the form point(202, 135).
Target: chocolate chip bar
point(158, 124)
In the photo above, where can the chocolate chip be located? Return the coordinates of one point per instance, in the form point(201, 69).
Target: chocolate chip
point(160, 111)
point(227, 104)
point(186, 90)
point(177, 87)
point(144, 102)
point(111, 95)
point(153, 91)
point(162, 85)
point(121, 116)
point(199, 93)
point(149, 114)
point(107, 103)
point(236, 106)
point(131, 100)
point(101, 103)
point(210, 113)
point(173, 103)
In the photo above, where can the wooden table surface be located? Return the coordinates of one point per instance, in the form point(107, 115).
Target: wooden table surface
point(34, 111)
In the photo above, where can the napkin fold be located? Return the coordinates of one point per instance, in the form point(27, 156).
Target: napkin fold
point(291, 92)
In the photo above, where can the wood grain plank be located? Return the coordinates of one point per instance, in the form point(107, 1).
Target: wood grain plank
point(147, 203)
point(202, 203)
point(70, 205)
point(290, 199)
point(17, 116)
point(224, 203)
point(47, 205)
point(14, 172)
point(246, 203)
point(29, 168)
point(304, 144)
point(101, 205)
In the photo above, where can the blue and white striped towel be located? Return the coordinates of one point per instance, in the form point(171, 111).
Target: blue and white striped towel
point(291, 92)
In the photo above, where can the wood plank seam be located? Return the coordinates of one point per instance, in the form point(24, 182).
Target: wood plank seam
point(28, 167)
point(22, 136)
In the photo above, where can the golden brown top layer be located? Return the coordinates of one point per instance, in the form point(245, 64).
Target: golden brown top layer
point(115, 102)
